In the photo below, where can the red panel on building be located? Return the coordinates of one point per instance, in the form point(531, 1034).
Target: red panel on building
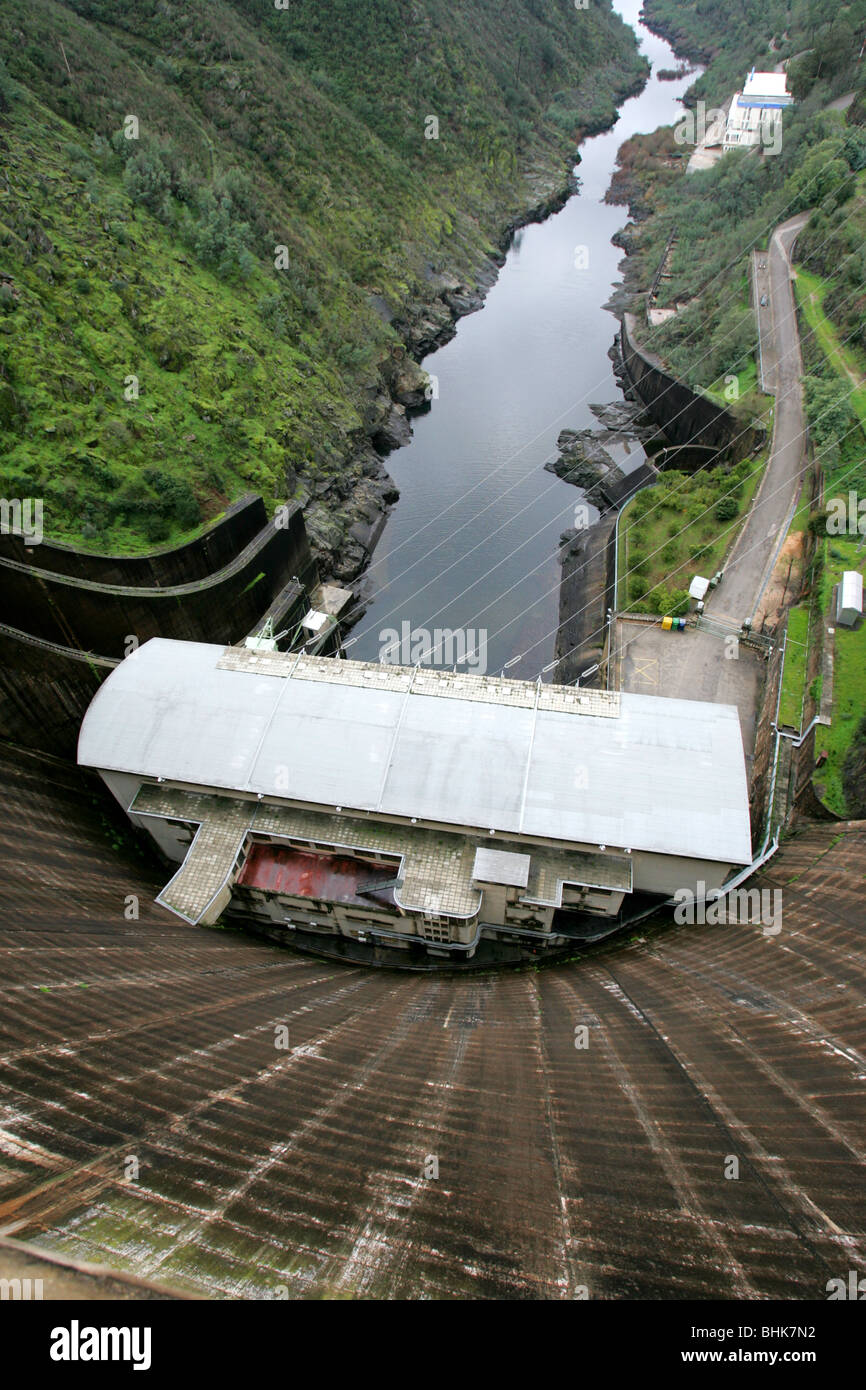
point(296, 873)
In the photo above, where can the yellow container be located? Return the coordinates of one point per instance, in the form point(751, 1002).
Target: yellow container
point(667, 623)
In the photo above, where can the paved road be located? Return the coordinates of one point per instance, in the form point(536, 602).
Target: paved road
point(749, 567)
point(767, 361)
point(697, 665)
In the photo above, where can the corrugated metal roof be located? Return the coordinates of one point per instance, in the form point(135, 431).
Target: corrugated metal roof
point(665, 775)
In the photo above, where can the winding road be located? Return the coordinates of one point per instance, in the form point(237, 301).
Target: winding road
point(753, 557)
point(692, 665)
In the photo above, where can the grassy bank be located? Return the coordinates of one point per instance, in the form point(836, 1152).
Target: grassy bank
point(843, 357)
point(841, 552)
point(836, 409)
point(682, 526)
point(794, 681)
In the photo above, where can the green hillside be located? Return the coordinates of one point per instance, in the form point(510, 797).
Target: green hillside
point(730, 36)
point(220, 222)
point(720, 213)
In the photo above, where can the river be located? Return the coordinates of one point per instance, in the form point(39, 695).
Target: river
point(472, 543)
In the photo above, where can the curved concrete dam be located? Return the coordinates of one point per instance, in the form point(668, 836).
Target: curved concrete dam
point(309, 1129)
point(425, 1137)
point(472, 543)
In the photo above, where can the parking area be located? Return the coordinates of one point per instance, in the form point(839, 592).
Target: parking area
point(692, 665)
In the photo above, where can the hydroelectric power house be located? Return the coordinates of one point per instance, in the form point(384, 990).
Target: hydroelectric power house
point(414, 815)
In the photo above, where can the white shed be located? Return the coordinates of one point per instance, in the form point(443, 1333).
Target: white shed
point(849, 598)
point(698, 590)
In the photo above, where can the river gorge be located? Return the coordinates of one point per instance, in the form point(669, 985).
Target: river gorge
point(472, 544)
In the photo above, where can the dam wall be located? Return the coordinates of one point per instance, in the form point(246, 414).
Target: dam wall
point(62, 630)
point(45, 689)
point(199, 558)
point(686, 418)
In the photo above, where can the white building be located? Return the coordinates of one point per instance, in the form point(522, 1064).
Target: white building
point(698, 590)
point(755, 112)
point(414, 808)
point(849, 598)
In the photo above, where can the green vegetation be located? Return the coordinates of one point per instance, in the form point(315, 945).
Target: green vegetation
point(832, 246)
point(842, 779)
point(731, 36)
point(836, 410)
point(843, 356)
point(680, 527)
point(794, 682)
point(238, 206)
point(741, 391)
point(719, 214)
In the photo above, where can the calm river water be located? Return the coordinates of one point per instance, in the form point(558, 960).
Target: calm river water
point(472, 542)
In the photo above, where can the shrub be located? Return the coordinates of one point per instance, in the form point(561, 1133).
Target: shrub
point(726, 509)
point(636, 587)
point(670, 601)
point(146, 179)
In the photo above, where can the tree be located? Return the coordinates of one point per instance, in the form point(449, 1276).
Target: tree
point(146, 179)
point(828, 409)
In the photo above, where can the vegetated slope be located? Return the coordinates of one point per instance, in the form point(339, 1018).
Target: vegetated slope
point(831, 292)
point(731, 36)
point(718, 216)
point(157, 156)
point(720, 213)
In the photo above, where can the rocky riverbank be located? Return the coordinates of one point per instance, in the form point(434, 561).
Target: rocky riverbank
point(587, 458)
point(686, 51)
point(347, 514)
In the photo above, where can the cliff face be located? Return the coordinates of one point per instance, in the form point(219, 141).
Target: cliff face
point(228, 230)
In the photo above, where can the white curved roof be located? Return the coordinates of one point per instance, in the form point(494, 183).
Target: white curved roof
point(631, 771)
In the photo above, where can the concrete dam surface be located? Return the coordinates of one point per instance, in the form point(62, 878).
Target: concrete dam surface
point(308, 1167)
point(69, 617)
point(647, 1104)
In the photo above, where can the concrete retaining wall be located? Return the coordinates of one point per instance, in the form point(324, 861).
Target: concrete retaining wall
point(197, 559)
point(44, 692)
point(685, 417)
point(765, 743)
point(95, 617)
point(64, 630)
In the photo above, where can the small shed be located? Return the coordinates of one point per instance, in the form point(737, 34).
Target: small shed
point(849, 598)
point(698, 589)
